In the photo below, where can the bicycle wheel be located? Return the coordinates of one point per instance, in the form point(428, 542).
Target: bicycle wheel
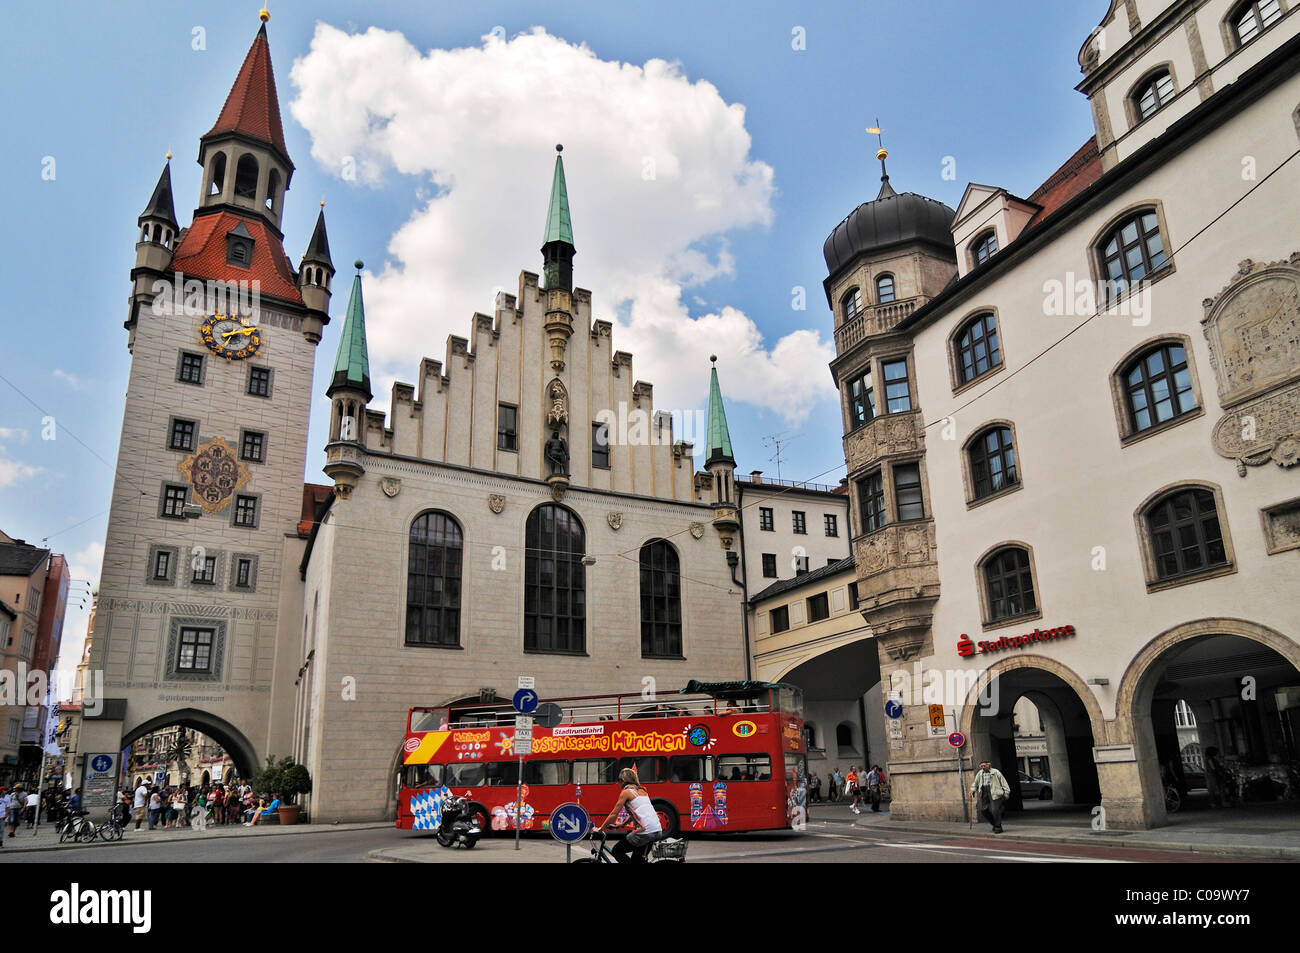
point(65, 832)
point(85, 833)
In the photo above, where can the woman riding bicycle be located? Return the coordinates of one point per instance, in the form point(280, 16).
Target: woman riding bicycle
point(637, 801)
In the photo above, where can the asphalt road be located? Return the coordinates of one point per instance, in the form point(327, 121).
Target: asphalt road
point(822, 842)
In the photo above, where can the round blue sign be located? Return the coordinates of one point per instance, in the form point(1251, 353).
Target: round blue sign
point(956, 739)
point(101, 762)
point(569, 823)
point(525, 701)
point(894, 708)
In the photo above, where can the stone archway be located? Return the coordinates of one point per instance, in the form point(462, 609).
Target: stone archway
point(1072, 718)
point(241, 751)
point(1135, 722)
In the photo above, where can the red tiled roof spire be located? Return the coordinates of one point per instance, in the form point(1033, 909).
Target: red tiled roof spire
point(252, 109)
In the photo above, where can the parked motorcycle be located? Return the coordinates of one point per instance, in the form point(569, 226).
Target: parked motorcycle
point(458, 826)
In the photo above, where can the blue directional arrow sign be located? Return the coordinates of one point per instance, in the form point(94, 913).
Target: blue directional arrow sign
point(525, 701)
point(569, 823)
point(893, 708)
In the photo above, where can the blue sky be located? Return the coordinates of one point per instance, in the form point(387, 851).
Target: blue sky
point(106, 90)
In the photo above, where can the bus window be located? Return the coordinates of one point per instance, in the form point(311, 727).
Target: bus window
point(690, 768)
point(791, 700)
point(433, 719)
point(422, 775)
point(595, 771)
point(546, 772)
point(463, 775)
point(744, 767)
point(502, 772)
point(648, 770)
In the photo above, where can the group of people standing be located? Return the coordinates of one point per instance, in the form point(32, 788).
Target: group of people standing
point(183, 806)
point(872, 786)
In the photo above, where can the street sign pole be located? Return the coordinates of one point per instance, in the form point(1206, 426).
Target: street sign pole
point(525, 701)
point(519, 801)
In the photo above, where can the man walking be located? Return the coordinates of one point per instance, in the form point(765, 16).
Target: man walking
point(875, 781)
point(990, 791)
point(4, 812)
point(140, 803)
point(837, 782)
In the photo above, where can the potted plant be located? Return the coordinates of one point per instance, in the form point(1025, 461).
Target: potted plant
point(287, 778)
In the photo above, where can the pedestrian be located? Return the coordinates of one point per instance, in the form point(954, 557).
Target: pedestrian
point(218, 802)
point(179, 812)
point(875, 782)
point(140, 803)
point(155, 808)
point(33, 806)
point(814, 788)
point(199, 816)
point(851, 788)
point(989, 790)
point(15, 807)
point(4, 811)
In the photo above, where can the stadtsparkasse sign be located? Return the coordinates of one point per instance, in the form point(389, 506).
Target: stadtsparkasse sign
point(966, 648)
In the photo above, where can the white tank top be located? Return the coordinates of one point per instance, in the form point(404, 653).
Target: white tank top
point(645, 814)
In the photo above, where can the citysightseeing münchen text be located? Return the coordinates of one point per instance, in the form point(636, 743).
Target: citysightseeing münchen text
point(652, 742)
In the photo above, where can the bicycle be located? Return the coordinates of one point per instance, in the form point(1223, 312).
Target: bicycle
point(666, 850)
point(111, 829)
point(77, 828)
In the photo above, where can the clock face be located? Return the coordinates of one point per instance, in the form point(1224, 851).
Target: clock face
point(230, 336)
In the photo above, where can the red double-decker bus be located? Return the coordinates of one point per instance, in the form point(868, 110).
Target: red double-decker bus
point(715, 756)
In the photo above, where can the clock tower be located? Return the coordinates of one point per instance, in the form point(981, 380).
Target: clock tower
point(199, 609)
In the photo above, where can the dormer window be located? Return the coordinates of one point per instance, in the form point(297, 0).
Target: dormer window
point(1151, 95)
point(1252, 18)
point(851, 304)
point(984, 247)
point(239, 246)
point(884, 289)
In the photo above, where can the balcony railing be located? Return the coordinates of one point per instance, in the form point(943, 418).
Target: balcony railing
point(874, 320)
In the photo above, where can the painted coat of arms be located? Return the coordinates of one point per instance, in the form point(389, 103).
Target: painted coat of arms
point(215, 472)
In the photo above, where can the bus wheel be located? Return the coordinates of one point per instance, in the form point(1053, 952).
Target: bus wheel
point(667, 817)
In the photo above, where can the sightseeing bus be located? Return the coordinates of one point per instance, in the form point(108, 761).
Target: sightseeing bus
point(715, 756)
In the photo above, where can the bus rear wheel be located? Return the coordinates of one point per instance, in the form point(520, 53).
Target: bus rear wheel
point(667, 817)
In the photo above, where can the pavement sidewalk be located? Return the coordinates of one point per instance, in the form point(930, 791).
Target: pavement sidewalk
point(532, 850)
point(1272, 839)
point(47, 836)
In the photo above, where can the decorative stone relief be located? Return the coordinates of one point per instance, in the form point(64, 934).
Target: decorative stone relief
point(1282, 526)
point(391, 486)
point(496, 503)
point(1253, 329)
point(1261, 430)
point(697, 530)
point(559, 403)
point(615, 521)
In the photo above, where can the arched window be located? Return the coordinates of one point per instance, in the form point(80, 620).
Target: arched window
point(246, 177)
point(1009, 584)
point(1133, 250)
point(1252, 17)
point(984, 247)
point(1184, 533)
point(851, 304)
point(1157, 386)
point(433, 580)
point(844, 735)
point(885, 289)
point(555, 591)
point(1152, 93)
point(218, 174)
point(661, 601)
point(977, 349)
point(272, 188)
point(992, 461)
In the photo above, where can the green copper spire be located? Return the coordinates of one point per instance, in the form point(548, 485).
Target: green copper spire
point(352, 366)
point(559, 224)
point(557, 245)
point(719, 436)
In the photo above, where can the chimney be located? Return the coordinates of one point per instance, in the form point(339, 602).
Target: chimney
point(755, 476)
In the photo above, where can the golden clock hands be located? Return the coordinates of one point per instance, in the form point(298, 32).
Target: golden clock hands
point(238, 331)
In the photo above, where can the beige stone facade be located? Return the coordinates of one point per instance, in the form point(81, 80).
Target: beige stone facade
point(1094, 477)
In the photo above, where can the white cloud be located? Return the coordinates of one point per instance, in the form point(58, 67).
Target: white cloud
point(72, 380)
point(659, 172)
point(86, 563)
point(13, 471)
point(13, 433)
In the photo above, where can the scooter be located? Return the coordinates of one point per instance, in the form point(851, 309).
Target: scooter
point(458, 825)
